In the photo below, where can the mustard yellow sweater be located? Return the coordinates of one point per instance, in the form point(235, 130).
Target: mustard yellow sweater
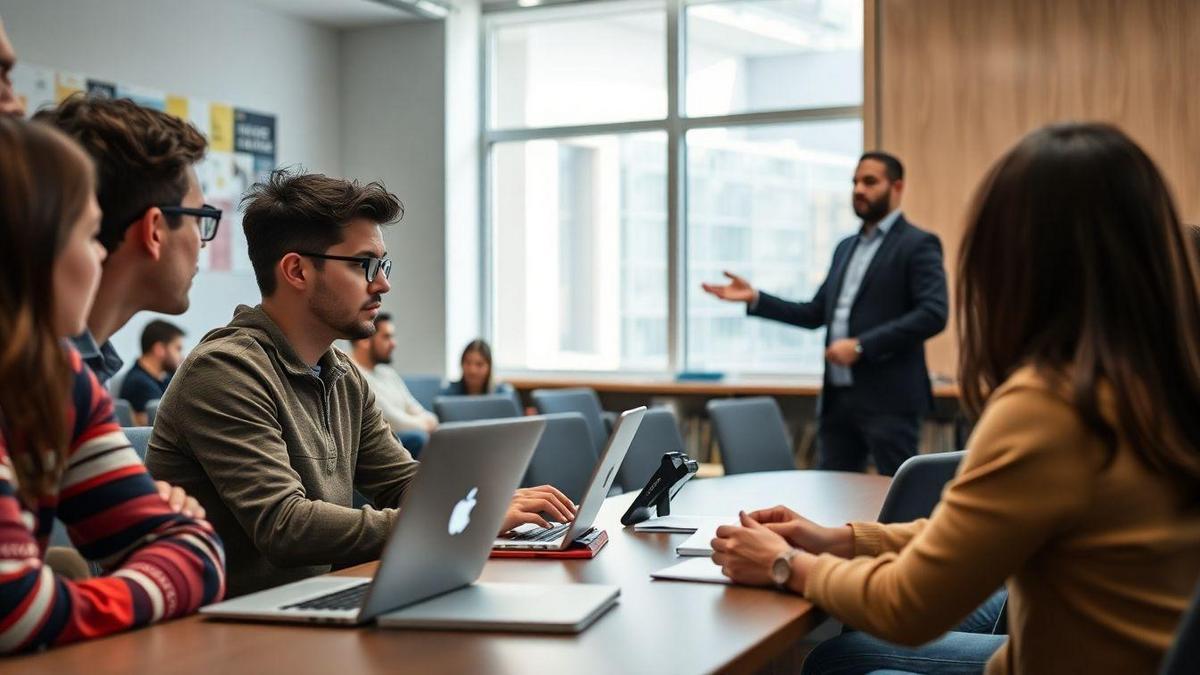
point(1100, 559)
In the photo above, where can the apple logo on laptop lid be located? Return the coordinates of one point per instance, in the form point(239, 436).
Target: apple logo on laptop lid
point(460, 517)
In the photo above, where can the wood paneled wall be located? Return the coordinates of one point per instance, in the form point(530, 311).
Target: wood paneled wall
point(960, 81)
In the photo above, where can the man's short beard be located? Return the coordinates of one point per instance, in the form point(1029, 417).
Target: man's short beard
point(326, 309)
point(876, 210)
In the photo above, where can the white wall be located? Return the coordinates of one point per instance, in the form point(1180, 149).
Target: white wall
point(392, 90)
point(215, 50)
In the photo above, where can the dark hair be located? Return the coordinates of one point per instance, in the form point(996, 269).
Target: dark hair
point(892, 166)
point(1074, 261)
point(295, 211)
point(142, 156)
point(481, 347)
point(159, 331)
point(46, 181)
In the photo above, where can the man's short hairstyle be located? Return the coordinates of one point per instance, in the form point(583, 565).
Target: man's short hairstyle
point(292, 211)
point(159, 331)
point(141, 154)
point(892, 166)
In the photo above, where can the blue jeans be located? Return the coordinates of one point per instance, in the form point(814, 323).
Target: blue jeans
point(964, 651)
point(413, 441)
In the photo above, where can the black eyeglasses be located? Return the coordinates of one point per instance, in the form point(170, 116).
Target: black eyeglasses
point(371, 266)
point(208, 217)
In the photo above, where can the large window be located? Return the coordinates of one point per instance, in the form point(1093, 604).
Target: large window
point(635, 149)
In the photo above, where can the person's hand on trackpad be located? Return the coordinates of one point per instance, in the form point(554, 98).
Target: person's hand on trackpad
point(529, 504)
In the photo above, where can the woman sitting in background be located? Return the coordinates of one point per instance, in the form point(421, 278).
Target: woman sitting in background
point(61, 452)
point(476, 377)
point(1079, 317)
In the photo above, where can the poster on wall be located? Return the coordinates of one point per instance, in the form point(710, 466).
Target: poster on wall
point(241, 146)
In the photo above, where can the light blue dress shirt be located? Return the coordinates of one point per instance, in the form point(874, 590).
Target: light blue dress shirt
point(856, 269)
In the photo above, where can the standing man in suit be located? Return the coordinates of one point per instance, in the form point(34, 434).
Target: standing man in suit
point(885, 295)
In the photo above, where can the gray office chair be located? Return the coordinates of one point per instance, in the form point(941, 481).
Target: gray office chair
point(658, 433)
point(424, 388)
point(564, 456)
point(151, 411)
point(123, 411)
point(139, 438)
point(917, 486)
point(1183, 658)
point(752, 434)
point(468, 408)
point(581, 400)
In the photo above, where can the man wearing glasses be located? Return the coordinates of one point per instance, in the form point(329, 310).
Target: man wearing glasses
point(155, 219)
point(269, 426)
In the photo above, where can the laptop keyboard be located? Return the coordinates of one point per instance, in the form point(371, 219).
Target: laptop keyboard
point(545, 534)
point(349, 598)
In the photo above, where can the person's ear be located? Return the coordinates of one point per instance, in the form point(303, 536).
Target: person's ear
point(147, 233)
point(293, 270)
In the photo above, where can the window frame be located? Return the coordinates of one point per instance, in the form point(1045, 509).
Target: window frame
point(676, 125)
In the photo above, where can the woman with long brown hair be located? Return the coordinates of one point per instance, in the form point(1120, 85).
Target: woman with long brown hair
point(1078, 311)
point(61, 452)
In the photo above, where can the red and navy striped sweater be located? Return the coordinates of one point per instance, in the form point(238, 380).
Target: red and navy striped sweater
point(158, 564)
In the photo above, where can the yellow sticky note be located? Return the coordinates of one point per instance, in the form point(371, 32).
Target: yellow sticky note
point(177, 106)
point(221, 123)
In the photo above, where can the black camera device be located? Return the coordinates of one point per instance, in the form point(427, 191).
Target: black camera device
point(675, 470)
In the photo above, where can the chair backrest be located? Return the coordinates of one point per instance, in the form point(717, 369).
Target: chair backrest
point(917, 486)
point(1184, 656)
point(752, 434)
point(151, 411)
point(139, 438)
point(658, 433)
point(581, 400)
point(468, 408)
point(564, 456)
point(424, 388)
point(123, 411)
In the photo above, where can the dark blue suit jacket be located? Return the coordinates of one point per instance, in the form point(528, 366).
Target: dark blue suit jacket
point(901, 304)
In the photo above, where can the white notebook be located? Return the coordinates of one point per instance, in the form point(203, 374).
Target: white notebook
point(700, 543)
point(693, 569)
point(677, 524)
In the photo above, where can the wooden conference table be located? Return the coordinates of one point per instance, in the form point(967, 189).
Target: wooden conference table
point(658, 626)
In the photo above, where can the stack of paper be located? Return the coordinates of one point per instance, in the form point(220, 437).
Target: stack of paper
point(693, 569)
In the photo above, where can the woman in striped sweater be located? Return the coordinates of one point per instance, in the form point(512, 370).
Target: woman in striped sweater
point(61, 452)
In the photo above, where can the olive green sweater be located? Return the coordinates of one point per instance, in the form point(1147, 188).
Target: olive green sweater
point(1100, 557)
point(273, 452)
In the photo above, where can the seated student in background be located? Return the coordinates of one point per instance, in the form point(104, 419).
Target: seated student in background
point(373, 356)
point(147, 379)
point(155, 221)
point(1079, 316)
point(61, 452)
point(269, 426)
point(476, 377)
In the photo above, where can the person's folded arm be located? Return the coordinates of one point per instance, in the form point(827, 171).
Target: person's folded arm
point(235, 434)
point(384, 468)
point(160, 564)
point(1023, 480)
point(929, 310)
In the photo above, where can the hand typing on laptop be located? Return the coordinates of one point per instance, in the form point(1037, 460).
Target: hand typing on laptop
point(528, 505)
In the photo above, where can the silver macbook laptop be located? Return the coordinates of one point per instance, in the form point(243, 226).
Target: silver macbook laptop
point(440, 541)
point(559, 536)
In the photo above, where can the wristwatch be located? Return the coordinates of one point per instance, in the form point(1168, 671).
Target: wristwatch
point(858, 348)
point(781, 567)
